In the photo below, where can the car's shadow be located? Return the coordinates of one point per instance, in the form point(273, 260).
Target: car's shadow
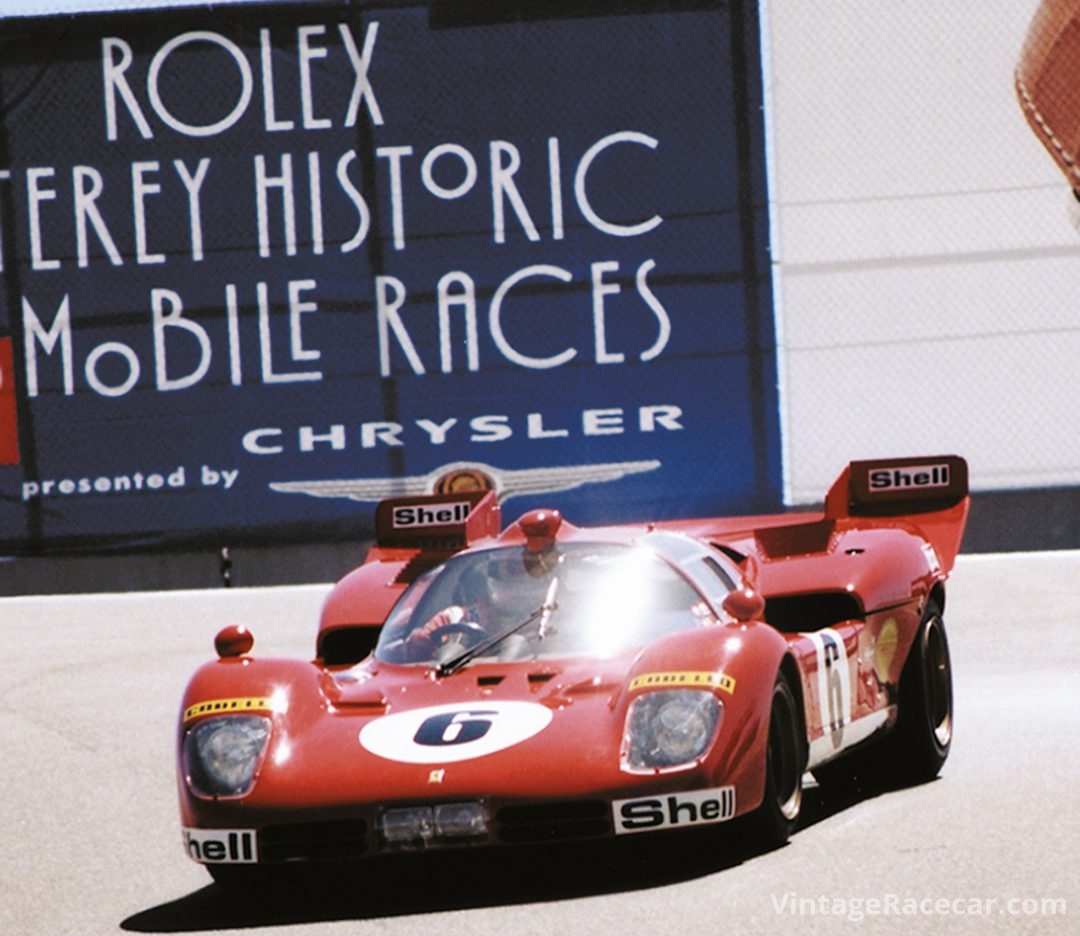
point(441, 881)
point(430, 883)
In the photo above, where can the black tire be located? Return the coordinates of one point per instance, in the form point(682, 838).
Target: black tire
point(785, 760)
point(919, 744)
point(916, 748)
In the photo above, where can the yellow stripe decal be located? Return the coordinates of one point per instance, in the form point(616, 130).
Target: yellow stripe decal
point(226, 707)
point(683, 680)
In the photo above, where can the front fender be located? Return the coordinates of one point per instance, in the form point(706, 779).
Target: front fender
point(285, 691)
point(740, 663)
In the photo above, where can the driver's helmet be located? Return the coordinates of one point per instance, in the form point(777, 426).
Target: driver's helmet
point(515, 583)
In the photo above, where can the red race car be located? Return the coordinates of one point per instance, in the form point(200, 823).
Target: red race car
point(482, 687)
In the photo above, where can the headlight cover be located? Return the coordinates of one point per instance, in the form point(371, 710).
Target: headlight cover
point(221, 755)
point(669, 729)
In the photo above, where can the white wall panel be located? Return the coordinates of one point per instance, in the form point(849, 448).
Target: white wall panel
point(927, 272)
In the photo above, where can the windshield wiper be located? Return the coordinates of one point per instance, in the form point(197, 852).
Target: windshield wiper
point(541, 614)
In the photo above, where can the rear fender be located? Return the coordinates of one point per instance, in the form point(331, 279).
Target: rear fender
point(356, 607)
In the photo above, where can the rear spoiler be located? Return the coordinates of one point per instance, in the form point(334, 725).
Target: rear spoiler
point(893, 487)
point(930, 492)
point(439, 522)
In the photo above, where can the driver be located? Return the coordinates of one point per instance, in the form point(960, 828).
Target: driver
point(505, 592)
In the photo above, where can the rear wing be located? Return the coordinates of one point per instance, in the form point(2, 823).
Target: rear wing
point(931, 492)
point(438, 522)
point(897, 486)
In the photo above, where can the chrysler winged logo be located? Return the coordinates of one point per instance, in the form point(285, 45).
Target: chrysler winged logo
point(470, 476)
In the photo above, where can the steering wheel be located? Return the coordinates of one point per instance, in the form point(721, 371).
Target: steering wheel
point(447, 639)
point(459, 637)
point(463, 630)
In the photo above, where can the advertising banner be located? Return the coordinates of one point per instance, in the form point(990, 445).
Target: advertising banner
point(263, 265)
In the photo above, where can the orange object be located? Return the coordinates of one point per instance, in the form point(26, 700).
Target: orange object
point(1048, 82)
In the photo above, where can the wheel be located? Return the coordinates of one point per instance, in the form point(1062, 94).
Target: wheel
point(916, 748)
point(920, 742)
point(785, 761)
point(463, 632)
point(443, 642)
point(455, 638)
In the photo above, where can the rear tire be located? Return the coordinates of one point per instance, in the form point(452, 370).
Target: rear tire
point(916, 748)
point(919, 744)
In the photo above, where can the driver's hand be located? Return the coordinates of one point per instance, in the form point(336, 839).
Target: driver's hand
point(454, 614)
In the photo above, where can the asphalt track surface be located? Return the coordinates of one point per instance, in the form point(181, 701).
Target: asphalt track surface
point(90, 845)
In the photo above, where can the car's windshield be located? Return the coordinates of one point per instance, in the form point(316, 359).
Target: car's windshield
point(607, 597)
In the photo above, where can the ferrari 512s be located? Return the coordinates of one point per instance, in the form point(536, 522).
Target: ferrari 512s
point(481, 687)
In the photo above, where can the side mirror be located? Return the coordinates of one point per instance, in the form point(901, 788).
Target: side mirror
point(745, 604)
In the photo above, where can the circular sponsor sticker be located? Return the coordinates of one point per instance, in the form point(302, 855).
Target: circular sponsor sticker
point(444, 734)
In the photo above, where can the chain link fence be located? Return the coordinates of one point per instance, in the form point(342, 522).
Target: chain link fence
point(927, 267)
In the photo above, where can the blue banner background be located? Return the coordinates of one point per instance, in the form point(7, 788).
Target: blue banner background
point(191, 393)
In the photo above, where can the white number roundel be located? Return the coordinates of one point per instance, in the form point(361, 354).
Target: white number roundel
point(444, 734)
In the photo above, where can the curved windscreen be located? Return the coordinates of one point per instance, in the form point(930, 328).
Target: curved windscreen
point(591, 599)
